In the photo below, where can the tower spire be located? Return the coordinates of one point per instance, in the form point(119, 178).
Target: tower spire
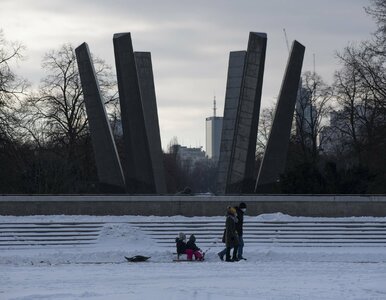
point(214, 106)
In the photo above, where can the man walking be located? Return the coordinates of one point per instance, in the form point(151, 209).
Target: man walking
point(241, 209)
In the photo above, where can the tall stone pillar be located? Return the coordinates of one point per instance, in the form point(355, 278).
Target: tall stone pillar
point(138, 169)
point(106, 156)
point(275, 155)
point(149, 105)
point(232, 97)
point(240, 169)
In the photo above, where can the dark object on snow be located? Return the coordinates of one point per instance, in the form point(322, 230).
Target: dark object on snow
point(137, 258)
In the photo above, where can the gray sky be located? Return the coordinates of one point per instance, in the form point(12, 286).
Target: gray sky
point(190, 43)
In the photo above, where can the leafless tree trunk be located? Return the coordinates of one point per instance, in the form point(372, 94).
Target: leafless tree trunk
point(12, 87)
point(57, 111)
point(312, 109)
point(265, 124)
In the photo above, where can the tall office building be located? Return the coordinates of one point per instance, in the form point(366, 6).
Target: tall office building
point(306, 116)
point(213, 129)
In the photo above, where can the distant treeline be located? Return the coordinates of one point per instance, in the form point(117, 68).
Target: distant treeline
point(338, 144)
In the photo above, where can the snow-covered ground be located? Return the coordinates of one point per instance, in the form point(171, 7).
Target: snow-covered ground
point(99, 271)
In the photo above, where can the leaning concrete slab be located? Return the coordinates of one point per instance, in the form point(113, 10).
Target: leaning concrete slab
point(240, 172)
point(232, 96)
point(274, 159)
point(106, 156)
point(243, 159)
point(149, 105)
point(138, 168)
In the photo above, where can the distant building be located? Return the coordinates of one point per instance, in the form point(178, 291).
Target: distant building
point(333, 136)
point(189, 157)
point(305, 116)
point(213, 128)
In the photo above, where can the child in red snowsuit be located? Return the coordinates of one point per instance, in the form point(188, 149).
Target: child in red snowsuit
point(192, 249)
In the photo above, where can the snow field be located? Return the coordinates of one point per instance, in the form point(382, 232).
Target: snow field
point(99, 271)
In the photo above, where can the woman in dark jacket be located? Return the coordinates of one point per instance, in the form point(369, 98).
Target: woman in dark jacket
point(231, 237)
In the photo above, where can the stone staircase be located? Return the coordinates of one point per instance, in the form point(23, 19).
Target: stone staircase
point(288, 234)
point(48, 234)
point(208, 233)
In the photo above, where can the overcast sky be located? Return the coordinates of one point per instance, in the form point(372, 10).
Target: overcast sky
point(190, 43)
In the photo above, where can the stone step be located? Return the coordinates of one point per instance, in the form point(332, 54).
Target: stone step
point(174, 233)
point(246, 222)
point(52, 223)
point(297, 236)
point(330, 233)
point(287, 244)
point(48, 233)
point(298, 240)
point(52, 232)
point(48, 226)
point(47, 239)
point(38, 244)
point(208, 233)
point(262, 231)
point(162, 226)
point(32, 234)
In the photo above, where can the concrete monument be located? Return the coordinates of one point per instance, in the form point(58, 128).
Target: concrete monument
point(138, 168)
point(149, 105)
point(232, 97)
point(237, 156)
point(274, 160)
point(106, 156)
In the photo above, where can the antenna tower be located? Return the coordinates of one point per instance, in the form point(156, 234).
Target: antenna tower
point(286, 40)
point(214, 106)
point(314, 63)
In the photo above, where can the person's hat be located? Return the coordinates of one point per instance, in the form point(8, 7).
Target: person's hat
point(182, 236)
point(242, 205)
point(232, 210)
point(192, 238)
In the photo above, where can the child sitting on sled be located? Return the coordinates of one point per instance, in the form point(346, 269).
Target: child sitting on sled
point(192, 249)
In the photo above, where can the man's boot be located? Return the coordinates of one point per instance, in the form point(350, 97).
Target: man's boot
point(234, 257)
point(228, 255)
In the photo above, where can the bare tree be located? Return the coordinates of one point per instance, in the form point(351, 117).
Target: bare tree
point(377, 10)
point(58, 109)
point(12, 87)
point(264, 128)
point(56, 124)
point(360, 88)
point(312, 109)
point(350, 97)
point(361, 93)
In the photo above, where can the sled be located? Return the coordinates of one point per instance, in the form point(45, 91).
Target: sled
point(137, 258)
point(185, 260)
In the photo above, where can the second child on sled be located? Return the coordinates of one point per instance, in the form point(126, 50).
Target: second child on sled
point(190, 248)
